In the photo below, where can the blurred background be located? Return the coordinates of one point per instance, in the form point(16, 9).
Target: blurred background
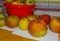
point(51, 4)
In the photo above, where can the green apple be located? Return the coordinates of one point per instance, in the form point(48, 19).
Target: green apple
point(9, 1)
point(30, 2)
point(1, 15)
point(24, 23)
point(20, 0)
point(2, 20)
point(17, 3)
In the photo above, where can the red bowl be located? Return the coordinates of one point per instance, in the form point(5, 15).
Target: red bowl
point(19, 10)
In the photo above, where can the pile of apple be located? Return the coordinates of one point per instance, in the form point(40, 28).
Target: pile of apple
point(20, 2)
point(36, 26)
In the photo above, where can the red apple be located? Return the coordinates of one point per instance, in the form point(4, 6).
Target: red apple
point(38, 28)
point(12, 21)
point(46, 18)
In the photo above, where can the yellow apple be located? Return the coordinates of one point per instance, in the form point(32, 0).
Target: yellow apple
point(9, 1)
point(24, 23)
point(32, 17)
point(38, 28)
point(55, 24)
point(2, 20)
point(17, 3)
point(20, 0)
point(2, 15)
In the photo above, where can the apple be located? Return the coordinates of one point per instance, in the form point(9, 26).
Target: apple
point(2, 15)
point(17, 3)
point(21, 0)
point(32, 17)
point(12, 21)
point(55, 24)
point(24, 23)
point(38, 28)
point(45, 17)
point(9, 1)
point(2, 20)
point(29, 2)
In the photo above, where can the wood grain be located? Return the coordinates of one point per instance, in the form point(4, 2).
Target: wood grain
point(58, 36)
point(6, 35)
